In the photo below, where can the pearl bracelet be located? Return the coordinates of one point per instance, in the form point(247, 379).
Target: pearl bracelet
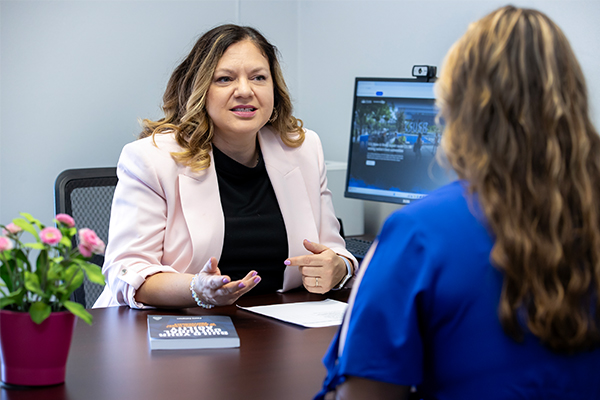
point(196, 297)
point(348, 274)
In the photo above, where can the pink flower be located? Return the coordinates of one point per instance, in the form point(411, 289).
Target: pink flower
point(5, 244)
point(84, 251)
point(90, 243)
point(12, 228)
point(66, 219)
point(50, 236)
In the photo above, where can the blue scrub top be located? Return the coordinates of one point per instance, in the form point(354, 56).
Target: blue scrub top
point(424, 313)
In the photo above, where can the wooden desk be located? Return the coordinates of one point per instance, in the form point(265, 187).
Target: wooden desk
point(111, 360)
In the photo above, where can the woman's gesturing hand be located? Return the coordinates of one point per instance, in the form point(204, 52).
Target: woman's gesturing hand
point(322, 270)
point(214, 288)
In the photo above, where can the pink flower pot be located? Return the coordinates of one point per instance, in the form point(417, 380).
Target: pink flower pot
point(32, 354)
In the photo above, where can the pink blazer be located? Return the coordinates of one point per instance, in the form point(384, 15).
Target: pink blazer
point(166, 218)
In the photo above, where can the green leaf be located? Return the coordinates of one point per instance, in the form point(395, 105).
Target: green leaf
point(27, 227)
point(28, 216)
point(21, 260)
point(32, 283)
point(75, 282)
point(65, 241)
point(55, 272)
point(39, 312)
point(93, 272)
point(32, 220)
point(42, 264)
point(5, 301)
point(79, 311)
point(15, 297)
point(35, 246)
point(5, 275)
point(71, 270)
point(60, 293)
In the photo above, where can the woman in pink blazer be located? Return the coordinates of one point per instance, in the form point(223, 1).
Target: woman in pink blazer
point(226, 193)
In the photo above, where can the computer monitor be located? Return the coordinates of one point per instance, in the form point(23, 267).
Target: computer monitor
point(393, 141)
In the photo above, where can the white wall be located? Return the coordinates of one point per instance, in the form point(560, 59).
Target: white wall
point(76, 75)
point(340, 40)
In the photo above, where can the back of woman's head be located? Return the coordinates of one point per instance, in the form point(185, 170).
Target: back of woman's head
point(184, 101)
point(514, 101)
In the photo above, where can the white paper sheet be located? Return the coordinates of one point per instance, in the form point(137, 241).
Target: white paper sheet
point(311, 314)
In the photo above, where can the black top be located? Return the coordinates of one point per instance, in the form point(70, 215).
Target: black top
point(255, 235)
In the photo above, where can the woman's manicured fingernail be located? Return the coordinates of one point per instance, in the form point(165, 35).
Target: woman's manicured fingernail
point(257, 279)
point(225, 280)
point(254, 273)
point(287, 262)
point(307, 240)
point(241, 285)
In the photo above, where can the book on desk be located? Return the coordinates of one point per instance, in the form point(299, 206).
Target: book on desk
point(168, 332)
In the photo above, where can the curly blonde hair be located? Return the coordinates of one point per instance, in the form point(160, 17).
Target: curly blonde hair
point(515, 104)
point(184, 101)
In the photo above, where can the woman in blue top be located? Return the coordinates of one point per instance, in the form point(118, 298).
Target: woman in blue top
point(488, 288)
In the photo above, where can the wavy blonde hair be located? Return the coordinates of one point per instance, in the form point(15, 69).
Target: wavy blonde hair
point(515, 104)
point(184, 101)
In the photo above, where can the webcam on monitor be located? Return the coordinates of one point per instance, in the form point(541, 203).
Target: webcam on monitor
point(424, 71)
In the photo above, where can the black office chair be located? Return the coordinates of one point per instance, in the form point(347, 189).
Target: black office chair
point(86, 194)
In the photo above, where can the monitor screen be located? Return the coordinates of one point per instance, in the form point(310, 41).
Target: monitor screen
point(393, 141)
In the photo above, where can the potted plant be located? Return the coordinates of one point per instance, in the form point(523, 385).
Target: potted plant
point(36, 283)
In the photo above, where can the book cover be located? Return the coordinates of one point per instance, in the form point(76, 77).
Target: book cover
point(166, 332)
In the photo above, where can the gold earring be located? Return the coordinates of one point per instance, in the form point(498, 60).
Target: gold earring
point(273, 116)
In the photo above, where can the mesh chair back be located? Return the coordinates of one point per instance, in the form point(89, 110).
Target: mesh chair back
point(86, 195)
